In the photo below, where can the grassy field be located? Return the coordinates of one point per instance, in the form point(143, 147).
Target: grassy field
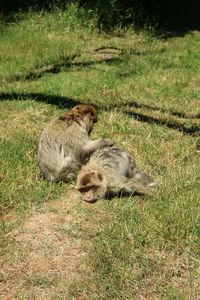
point(147, 92)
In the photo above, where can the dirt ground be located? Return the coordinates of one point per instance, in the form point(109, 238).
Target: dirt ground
point(46, 253)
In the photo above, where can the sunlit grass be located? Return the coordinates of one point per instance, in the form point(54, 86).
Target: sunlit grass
point(147, 93)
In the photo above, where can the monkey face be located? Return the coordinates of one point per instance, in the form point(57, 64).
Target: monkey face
point(90, 194)
point(92, 186)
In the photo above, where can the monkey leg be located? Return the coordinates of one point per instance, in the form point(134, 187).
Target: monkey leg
point(135, 186)
point(127, 186)
point(144, 178)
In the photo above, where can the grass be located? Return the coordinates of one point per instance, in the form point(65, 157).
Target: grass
point(146, 90)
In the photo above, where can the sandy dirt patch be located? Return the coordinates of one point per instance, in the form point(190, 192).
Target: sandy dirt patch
point(45, 254)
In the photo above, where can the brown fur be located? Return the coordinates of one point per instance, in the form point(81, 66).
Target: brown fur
point(111, 170)
point(65, 144)
point(78, 113)
point(86, 179)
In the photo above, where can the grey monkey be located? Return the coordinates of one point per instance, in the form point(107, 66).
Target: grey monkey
point(65, 143)
point(109, 171)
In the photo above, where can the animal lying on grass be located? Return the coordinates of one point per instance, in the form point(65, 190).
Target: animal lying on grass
point(109, 171)
point(65, 144)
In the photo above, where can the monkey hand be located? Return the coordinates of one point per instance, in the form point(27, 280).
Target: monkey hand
point(107, 142)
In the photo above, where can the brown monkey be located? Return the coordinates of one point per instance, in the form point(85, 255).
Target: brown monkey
point(64, 144)
point(111, 170)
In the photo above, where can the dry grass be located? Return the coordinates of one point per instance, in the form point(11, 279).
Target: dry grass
point(47, 250)
point(146, 90)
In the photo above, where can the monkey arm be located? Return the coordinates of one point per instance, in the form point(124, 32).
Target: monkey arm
point(92, 146)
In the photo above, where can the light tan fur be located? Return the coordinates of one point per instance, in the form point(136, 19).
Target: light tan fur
point(111, 170)
point(64, 144)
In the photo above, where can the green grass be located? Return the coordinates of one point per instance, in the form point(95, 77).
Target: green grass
point(147, 93)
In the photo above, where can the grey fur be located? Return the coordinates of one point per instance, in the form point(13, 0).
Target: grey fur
point(64, 144)
point(118, 171)
point(119, 164)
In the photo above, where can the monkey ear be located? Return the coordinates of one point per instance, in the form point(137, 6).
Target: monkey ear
point(91, 112)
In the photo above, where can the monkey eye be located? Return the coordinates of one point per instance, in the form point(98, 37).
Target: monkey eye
point(86, 189)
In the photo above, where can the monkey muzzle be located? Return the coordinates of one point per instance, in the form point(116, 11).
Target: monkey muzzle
point(89, 197)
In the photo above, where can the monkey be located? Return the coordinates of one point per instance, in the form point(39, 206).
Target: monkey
point(65, 144)
point(110, 171)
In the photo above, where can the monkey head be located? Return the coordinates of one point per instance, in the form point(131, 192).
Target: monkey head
point(92, 185)
point(88, 113)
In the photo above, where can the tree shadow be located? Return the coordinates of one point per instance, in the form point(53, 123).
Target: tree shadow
point(60, 101)
point(65, 65)
point(108, 49)
point(192, 130)
point(167, 34)
point(173, 18)
point(170, 111)
point(65, 102)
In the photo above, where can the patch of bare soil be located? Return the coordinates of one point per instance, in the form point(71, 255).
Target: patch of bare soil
point(46, 253)
point(180, 272)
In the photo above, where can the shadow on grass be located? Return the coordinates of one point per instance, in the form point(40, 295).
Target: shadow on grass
point(61, 102)
point(192, 130)
point(65, 65)
point(172, 112)
point(180, 32)
point(65, 102)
